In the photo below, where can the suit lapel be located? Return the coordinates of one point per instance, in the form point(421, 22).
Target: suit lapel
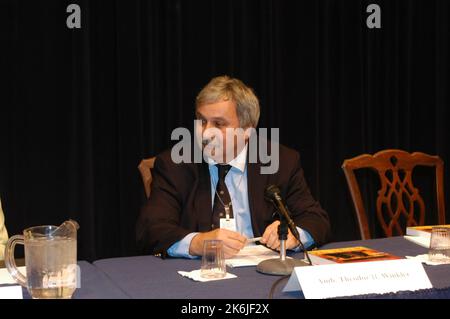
point(202, 203)
point(256, 184)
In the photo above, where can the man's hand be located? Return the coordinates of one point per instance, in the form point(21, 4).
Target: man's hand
point(233, 242)
point(270, 237)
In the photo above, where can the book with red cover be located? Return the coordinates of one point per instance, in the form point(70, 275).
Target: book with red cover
point(348, 255)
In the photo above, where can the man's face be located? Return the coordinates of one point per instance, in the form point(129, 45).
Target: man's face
point(217, 121)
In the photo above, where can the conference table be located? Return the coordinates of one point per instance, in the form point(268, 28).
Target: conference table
point(150, 277)
point(153, 277)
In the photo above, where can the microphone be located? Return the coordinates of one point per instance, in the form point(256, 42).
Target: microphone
point(282, 266)
point(272, 194)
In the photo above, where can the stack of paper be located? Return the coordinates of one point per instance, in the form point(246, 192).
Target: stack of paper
point(5, 277)
point(10, 292)
point(421, 241)
point(252, 255)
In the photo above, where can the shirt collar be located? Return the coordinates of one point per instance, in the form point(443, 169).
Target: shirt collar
point(238, 162)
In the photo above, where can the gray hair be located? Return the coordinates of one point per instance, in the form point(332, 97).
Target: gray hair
point(223, 88)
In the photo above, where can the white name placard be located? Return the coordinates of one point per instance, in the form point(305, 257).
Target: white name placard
point(339, 280)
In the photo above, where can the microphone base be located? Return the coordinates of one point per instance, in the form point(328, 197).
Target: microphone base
point(278, 267)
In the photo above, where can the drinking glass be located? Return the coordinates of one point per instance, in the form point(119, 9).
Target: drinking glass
point(213, 261)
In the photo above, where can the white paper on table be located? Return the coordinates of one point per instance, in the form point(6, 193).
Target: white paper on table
point(11, 292)
point(419, 240)
point(5, 277)
point(424, 258)
point(252, 255)
point(195, 275)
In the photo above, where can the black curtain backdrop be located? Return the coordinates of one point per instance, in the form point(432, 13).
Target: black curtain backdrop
point(79, 108)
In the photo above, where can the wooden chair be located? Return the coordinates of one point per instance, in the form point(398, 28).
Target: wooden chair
point(145, 168)
point(398, 200)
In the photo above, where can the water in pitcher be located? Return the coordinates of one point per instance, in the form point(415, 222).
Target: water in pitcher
point(51, 267)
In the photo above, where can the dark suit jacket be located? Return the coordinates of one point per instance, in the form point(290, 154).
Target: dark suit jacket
point(180, 202)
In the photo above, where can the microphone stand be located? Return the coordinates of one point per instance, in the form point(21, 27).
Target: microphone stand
point(282, 236)
point(282, 266)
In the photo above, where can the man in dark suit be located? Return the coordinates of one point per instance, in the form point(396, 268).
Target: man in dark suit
point(223, 196)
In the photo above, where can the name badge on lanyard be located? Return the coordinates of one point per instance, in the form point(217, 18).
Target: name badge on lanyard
point(228, 222)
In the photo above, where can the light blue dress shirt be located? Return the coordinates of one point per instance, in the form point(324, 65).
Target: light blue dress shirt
point(236, 182)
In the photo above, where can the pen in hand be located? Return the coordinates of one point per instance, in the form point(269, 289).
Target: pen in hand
point(253, 240)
